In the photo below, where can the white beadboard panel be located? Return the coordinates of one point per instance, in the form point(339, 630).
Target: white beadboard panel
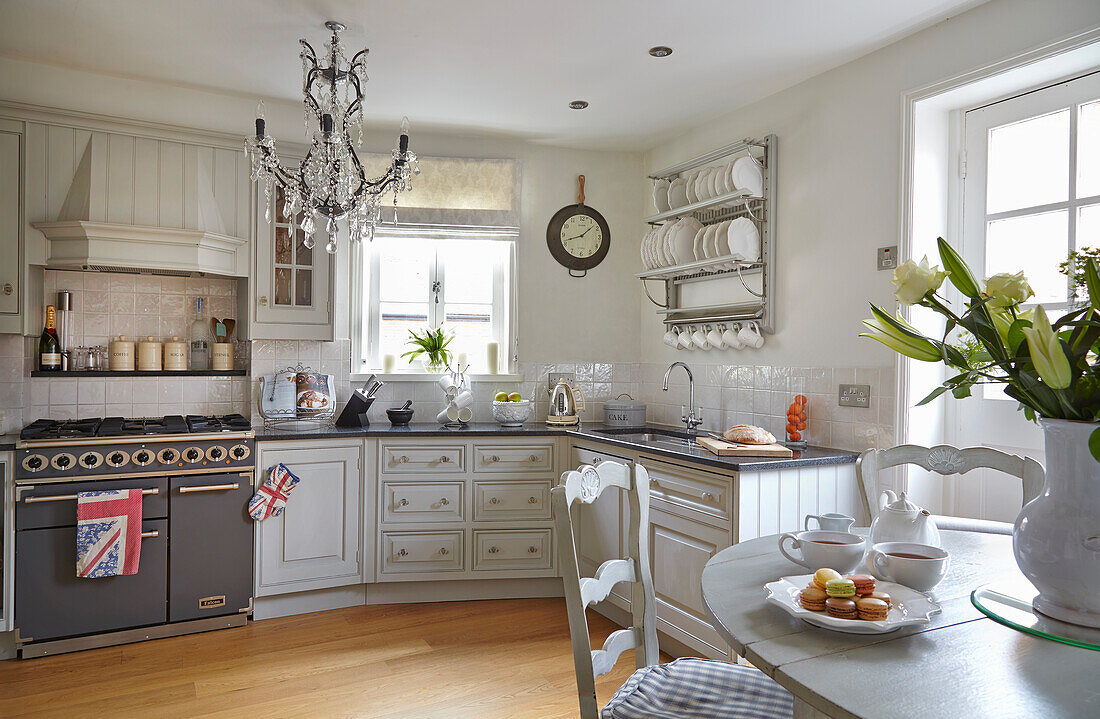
point(35, 175)
point(170, 189)
point(768, 507)
point(225, 189)
point(790, 519)
point(848, 498)
point(120, 179)
point(190, 183)
point(244, 196)
point(807, 494)
point(60, 166)
point(146, 182)
point(97, 206)
point(775, 502)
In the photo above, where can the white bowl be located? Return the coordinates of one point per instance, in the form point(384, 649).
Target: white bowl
point(512, 414)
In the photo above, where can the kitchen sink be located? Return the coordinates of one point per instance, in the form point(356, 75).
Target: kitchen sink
point(678, 440)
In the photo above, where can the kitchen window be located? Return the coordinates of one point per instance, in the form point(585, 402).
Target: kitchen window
point(461, 279)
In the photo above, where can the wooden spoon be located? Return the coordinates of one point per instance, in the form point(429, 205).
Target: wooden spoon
point(229, 326)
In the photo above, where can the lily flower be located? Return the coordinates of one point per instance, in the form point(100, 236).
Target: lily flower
point(1046, 351)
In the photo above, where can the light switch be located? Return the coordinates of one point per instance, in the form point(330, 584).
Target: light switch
point(855, 395)
point(888, 257)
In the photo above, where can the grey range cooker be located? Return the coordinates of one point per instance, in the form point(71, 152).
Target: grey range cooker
point(196, 474)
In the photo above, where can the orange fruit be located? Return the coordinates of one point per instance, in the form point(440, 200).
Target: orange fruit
point(791, 428)
point(800, 399)
point(794, 436)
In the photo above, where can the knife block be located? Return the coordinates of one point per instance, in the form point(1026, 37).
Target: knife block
point(354, 413)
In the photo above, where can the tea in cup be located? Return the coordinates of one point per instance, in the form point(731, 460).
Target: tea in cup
point(917, 566)
point(842, 551)
point(830, 521)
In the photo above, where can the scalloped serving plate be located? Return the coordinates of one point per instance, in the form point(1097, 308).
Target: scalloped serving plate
point(909, 607)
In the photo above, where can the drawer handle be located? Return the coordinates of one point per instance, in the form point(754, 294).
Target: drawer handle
point(708, 497)
point(150, 535)
point(494, 500)
point(533, 549)
point(493, 550)
point(402, 502)
point(532, 500)
point(597, 460)
point(64, 497)
point(492, 458)
point(8, 289)
point(444, 459)
point(209, 488)
point(403, 459)
point(444, 501)
point(402, 553)
point(443, 551)
point(653, 482)
point(533, 458)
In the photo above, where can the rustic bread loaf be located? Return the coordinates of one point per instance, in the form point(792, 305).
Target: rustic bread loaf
point(748, 434)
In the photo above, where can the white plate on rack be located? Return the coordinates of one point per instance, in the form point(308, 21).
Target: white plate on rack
point(664, 259)
point(677, 193)
point(908, 607)
point(655, 257)
point(670, 256)
point(719, 242)
point(660, 195)
point(690, 178)
point(697, 243)
point(682, 240)
point(644, 249)
point(747, 175)
point(744, 240)
point(702, 184)
point(717, 183)
point(708, 241)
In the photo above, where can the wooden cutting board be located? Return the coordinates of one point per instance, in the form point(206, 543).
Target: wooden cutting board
point(723, 448)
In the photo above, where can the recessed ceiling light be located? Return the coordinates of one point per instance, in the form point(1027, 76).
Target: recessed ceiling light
point(660, 51)
point(578, 104)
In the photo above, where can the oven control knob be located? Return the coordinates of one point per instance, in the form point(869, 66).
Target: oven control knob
point(192, 455)
point(63, 461)
point(117, 458)
point(239, 452)
point(34, 463)
point(216, 453)
point(142, 457)
point(169, 456)
point(90, 460)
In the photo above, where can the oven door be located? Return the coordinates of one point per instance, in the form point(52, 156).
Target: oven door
point(211, 571)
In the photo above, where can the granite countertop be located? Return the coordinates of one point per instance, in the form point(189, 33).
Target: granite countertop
point(811, 456)
point(7, 441)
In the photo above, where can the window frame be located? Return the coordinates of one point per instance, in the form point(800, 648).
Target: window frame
point(365, 317)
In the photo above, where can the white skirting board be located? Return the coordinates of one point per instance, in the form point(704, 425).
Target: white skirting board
point(405, 593)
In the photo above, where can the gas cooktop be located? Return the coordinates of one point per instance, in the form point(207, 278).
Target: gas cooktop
point(76, 429)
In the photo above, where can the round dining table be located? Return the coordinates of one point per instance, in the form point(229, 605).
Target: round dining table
point(959, 664)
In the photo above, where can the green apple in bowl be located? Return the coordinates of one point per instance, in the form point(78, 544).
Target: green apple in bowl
point(514, 397)
point(500, 397)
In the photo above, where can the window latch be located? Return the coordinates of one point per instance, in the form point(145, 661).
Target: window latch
point(436, 287)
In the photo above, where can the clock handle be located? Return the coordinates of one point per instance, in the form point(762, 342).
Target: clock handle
point(582, 274)
point(580, 195)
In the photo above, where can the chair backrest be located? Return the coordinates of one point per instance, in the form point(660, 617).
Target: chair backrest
point(583, 486)
point(944, 460)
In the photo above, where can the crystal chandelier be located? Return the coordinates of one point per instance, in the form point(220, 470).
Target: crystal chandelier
point(330, 182)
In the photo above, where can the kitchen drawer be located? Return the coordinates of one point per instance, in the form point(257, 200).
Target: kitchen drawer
point(422, 501)
point(54, 505)
point(514, 459)
point(700, 491)
point(419, 459)
point(421, 552)
point(584, 455)
point(511, 500)
point(519, 549)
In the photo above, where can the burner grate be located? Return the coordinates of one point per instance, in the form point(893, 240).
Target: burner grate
point(60, 428)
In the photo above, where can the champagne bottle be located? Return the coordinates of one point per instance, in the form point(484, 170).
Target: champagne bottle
point(200, 339)
point(49, 349)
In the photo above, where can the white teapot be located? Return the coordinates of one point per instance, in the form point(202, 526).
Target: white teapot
point(899, 520)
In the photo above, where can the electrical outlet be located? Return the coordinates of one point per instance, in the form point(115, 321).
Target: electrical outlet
point(553, 377)
point(888, 257)
point(855, 395)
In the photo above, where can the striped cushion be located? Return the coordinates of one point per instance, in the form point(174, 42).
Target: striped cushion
point(699, 689)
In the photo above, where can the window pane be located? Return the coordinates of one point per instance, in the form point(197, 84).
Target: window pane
point(303, 288)
point(403, 270)
point(1088, 150)
point(282, 246)
point(303, 255)
point(469, 270)
point(397, 318)
point(472, 326)
point(1028, 163)
point(1088, 226)
point(282, 286)
point(1035, 244)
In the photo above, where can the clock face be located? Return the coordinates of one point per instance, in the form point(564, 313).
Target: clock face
point(581, 236)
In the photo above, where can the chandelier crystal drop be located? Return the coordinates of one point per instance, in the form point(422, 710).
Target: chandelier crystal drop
point(330, 183)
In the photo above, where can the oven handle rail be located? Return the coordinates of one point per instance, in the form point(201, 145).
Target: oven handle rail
point(66, 497)
point(209, 488)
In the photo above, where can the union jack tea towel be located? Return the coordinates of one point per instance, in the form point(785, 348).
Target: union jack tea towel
point(270, 500)
point(108, 533)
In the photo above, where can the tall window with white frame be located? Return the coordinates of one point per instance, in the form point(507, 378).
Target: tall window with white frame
point(461, 283)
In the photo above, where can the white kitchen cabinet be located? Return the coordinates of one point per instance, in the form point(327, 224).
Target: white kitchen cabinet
point(292, 285)
point(317, 542)
point(11, 225)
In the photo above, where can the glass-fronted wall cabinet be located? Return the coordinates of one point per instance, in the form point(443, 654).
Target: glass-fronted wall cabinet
point(292, 295)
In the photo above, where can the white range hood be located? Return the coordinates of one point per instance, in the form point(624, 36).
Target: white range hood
point(82, 238)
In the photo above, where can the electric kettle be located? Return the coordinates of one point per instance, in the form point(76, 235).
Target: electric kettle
point(563, 404)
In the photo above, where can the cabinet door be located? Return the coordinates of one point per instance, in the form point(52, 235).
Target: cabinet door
point(292, 284)
point(315, 542)
point(679, 549)
point(601, 525)
point(11, 219)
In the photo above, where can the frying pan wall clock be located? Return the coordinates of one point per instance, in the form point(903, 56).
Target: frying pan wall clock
point(578, 236)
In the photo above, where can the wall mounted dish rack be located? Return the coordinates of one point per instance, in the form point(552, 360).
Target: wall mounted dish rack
point(753, 302)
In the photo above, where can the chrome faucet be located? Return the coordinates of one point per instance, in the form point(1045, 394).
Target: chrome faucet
point(687, 414)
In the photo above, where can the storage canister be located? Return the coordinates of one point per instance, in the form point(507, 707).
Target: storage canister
point(148, 355)
point(175, 355)
point(120, 354)
point(621, 412)
point(223, 356)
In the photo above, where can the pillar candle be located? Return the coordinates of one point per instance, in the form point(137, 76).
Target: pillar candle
point(462, 361)
point(387, 363)
point(492, 357)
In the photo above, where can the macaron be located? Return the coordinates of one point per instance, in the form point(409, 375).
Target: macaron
point(822, 576)
point(865, 583)
point(813, 599)
point(840, 588)
point(883, 596)
point(873, 610)
point(841, 608)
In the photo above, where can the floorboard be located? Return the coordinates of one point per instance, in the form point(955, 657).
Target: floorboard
point(456, 660)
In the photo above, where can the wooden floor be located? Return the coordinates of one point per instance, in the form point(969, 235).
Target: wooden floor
point(503, 658)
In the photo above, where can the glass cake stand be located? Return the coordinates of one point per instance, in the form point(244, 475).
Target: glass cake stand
point(1009, 603)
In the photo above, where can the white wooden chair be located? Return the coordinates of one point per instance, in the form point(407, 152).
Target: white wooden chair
point(947, 460)
point(685, 688)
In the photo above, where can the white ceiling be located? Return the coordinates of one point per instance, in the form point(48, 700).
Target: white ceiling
point(505, 65)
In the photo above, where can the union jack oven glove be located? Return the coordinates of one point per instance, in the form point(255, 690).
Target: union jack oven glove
point(270, 500)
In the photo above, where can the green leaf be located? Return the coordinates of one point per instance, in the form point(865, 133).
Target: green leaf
point(932, 395)
point(1016, 335)
point(958, 271)
point(962, 391)
point(1092, 282)
point(1094, 442)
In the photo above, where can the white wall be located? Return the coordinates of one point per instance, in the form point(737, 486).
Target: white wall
point(839, 158)
point(561, 319)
